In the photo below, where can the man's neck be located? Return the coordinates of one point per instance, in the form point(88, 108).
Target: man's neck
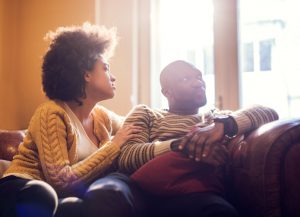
point(184, 111)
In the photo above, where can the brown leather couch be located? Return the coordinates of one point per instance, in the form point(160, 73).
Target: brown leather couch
point(9, 142)
point(263, 177)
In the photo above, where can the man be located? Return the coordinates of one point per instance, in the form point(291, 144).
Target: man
point(183, 86)
point(199, 138)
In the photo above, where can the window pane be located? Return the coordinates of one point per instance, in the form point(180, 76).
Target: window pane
point(273, 27)
point(248, 60)
point(265, 54)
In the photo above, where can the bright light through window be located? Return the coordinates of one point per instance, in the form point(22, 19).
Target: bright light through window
point(270, 44)
point(182, 29)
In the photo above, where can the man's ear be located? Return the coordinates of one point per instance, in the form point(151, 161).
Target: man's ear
point(165, 92)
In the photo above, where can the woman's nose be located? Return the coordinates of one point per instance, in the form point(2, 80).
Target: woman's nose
point(112, 77)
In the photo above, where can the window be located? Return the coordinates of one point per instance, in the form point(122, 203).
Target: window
point(268, 46)
point(257, 55)
point(182, 29)
point(270, 39)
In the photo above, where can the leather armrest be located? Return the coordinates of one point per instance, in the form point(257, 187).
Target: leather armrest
point(9, 142)
point(264, 170)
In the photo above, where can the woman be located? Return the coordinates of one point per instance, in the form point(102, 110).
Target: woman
point(69, 143)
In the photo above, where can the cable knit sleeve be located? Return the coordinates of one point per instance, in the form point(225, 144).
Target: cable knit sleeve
point(53, 137)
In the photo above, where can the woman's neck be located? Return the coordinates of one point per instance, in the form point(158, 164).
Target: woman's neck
point(82, 111)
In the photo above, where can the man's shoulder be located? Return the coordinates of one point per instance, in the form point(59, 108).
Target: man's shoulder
point(143, 110)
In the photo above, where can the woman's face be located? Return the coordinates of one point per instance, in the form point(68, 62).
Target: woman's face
point(100, 83)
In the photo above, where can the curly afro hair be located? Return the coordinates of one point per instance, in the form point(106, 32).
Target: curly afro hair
point(72, 52)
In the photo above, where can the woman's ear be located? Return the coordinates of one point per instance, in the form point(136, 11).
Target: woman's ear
point(87, 76)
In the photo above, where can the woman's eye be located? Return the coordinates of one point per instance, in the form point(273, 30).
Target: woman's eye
point(106, 67)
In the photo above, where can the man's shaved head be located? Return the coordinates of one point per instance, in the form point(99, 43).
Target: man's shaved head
point(182, 84)
point(171, 70)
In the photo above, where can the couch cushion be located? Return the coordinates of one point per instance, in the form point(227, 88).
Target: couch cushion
point(4, 164)
point(174, 174)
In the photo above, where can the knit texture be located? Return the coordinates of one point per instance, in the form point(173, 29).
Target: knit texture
point(160, 127)
point(49, 149)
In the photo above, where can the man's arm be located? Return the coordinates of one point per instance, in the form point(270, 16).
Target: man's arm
point(141, 149)
point(251, 118)
point(200, 143)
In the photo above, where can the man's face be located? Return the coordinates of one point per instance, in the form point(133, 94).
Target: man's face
point(186, 87)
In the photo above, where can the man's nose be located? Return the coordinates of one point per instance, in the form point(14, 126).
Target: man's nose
point(199, 83)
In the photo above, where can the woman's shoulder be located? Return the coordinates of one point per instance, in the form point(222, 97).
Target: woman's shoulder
point(51, 105)
point(105, 117)
point(47, 113)
point(49, 108)
point(104, 114)
point(101, 111)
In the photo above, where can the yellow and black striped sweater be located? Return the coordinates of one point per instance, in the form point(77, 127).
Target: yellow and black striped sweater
point(160, 127)
point(49, 150)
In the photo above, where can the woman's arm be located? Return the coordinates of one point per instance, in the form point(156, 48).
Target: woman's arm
point(56, 143)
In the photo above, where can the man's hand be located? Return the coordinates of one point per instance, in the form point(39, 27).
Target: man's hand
point(204, 144)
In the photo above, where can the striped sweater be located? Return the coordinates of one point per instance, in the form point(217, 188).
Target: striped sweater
point(160, 128)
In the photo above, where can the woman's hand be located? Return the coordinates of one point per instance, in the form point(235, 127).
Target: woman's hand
point(125, 133)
